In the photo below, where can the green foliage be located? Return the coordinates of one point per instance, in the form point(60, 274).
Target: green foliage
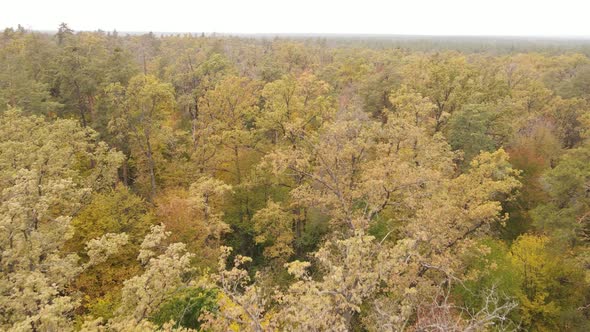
point(117, 210)
point(476, 128)
point(104, 307)
point(566, 213)
point(48, 170)
point(549, 287)
point(23, 73)
point(492, 269)
point(274, 229)
point(361, 187)
point(184, 307)
point(546, 284)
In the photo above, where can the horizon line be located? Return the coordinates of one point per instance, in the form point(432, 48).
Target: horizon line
point(330, 34)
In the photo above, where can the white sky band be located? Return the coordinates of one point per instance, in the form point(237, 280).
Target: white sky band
point(564, 18)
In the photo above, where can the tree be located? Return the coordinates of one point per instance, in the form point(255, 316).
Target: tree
point(445, 78)
point(63, 32)
point(544, 285)
point(228, 114)
point(47, 172)
point(143, 294)
point(193, 74)
point(351, 275)
point(141, 121)
point(330, 161)
point(165, 268)
point(78, 75)
point(113, 211)
point(295, 106)
point(240, 303)
point(22, 83)
point(195, 217)
point(274, 229)
point(362, 184)
point(478, 128)
point(565, 215)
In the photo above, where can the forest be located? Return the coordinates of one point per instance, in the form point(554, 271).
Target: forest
point(201, 182)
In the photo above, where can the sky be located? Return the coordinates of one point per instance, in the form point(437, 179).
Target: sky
point(563, 18)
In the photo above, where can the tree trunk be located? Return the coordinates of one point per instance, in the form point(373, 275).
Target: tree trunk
point(151, 166)
point(90, 107)
point(125, 172)
point(195, 118)
point(238, 173)
point(81, 105)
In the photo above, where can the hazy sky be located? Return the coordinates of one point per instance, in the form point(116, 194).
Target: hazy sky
point(422, 17)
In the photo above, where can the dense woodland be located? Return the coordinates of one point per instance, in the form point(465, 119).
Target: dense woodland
point(218, 183)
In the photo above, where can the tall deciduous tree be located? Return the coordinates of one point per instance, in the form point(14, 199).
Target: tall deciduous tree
point(141, 120)
point(47, 172)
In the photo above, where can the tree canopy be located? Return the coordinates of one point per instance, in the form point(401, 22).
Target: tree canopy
point(219, 183)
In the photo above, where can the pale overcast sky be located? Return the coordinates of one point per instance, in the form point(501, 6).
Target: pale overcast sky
point(416, 17)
